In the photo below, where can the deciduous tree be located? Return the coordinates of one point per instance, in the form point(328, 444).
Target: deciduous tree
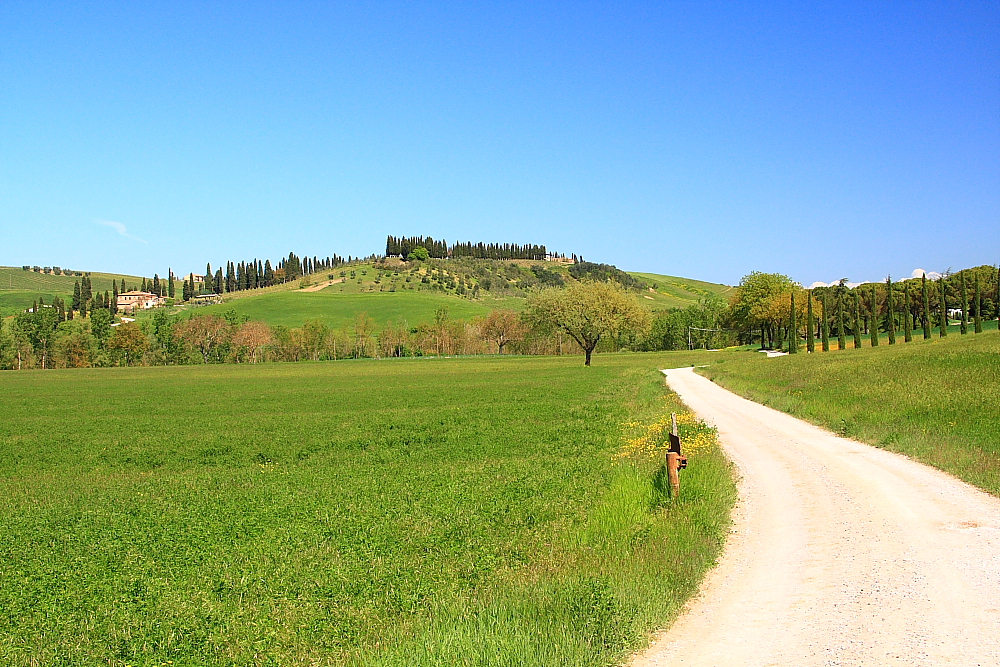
point(502, 326)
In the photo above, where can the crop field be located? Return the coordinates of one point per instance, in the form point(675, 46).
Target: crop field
point(675, 292)
point(934, 400)
point(336, 309)
point(403, 512)
point(19, 288)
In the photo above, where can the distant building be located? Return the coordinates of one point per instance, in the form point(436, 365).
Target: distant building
point(136, 300)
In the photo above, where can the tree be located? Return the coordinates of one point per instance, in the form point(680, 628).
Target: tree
point(857, 319)
point(205, 333)
point(793, 330)
point(501, 327)
point(253, 336)
point(925, 321)
point(890, 316)
point(129, 342)
point(825, 324)
point(944, 308)
point(75, 304)
point(39, 329)
point(841, 293)
point(874, 332)
point(979, 306)
point(810, 323)
point(100, 325)
point(761, 300)
point(907, 322)
point(588, 312)
point(419, 253)
point(964, 329)
point(114, 296)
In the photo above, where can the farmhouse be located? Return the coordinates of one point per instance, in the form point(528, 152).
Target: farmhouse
point(130, 301)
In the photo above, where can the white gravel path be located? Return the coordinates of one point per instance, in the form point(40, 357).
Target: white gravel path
point(841, 553)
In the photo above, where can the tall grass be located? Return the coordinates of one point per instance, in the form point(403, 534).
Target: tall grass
point(407, 512)
point(934, 400)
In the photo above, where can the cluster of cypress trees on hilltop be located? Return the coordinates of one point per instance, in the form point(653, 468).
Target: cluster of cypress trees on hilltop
point(403, 246)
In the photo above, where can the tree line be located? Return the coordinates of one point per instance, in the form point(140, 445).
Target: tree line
point(404, 246)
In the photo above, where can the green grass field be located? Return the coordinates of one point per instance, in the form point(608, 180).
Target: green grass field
point(934, 400)
point(405, 512)
point(19, 288)
point(675, 292)
point(336, 309)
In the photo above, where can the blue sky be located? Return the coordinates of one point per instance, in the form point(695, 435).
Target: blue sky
point(695, 139)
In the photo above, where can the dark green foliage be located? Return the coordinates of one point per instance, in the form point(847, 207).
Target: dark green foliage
point(604, 272)
point(547, 277)
point(793, 330)
point(907, 321)
point(170, 283)
point(857, 319)
point(925, 319)
point(825, 324)
point(964, 327)
point(942, 292)
point(875, 328)
point(403, 246)
point(841, 334)
point(77, 300)
point(810, 323)
point(979, 307)
point(890, 308)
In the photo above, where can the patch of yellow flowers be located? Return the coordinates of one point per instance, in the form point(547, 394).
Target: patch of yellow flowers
point(648, 441)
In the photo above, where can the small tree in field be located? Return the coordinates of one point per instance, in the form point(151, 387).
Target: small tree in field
point(129, 342)
point(253, 336)
point(890, 315)
point(979, 306)
point(825, 324)
point(501, 327)
point(857, 319)
point(964, 329)
point(907, 322)
point(589, 312)
point(841, 339)
point(793, 329)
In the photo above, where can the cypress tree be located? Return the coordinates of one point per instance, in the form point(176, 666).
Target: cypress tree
point(114, 297)
point(825, 325)
point(926, 319)
point(793, 330)
point(268, 274)
point(873, 338)
point(857, 319)
point(143, 288)
point(841, 338)
point(979, 306)
point(170, 283)
point(944, 309)
point(810, 323)
point(890, 315)
point(907, 320)
point(76, 296)
point(964, 329)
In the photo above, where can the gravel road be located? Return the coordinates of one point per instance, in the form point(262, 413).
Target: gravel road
point(841, 553)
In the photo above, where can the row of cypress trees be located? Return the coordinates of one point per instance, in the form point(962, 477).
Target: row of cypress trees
point(899, 308)
point(402, 246)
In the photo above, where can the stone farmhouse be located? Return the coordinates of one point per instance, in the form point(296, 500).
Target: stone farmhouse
point(135, 300)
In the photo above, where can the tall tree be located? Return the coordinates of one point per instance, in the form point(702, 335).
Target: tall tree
point(841, 334)
point(825, 324)
point(793, 329)
point(218, 281)
point(857, 319)
point(890, 314)
point(501, 327)
point(964, 329)
point(979, 306)
point(170, 283)
point(76, 296)
point(114, 297)
point(907, 321)
point(873, 338)
point(810, 323)
point(944, 308)
point(925, 319)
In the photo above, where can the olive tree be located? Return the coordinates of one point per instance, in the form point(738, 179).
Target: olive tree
point(588, 312)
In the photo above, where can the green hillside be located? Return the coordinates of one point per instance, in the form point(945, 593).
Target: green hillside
point(19, 288)
point(335, 308)
point(675, 292)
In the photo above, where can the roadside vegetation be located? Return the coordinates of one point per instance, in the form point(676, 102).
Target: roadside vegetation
point(934, 400)
point(488, 511)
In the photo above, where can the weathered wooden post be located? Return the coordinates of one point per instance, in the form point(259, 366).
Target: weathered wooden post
point(674, 459)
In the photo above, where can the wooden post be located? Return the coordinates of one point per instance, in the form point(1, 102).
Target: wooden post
point(673, 458)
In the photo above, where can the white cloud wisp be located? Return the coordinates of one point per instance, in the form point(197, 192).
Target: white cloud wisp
point(121, 229)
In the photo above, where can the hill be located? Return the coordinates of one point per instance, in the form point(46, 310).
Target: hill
point(676, 292)
point(20, 288)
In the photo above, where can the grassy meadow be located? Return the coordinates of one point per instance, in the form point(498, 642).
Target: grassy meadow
point(336, 309)
point(675, 292)
point(934, 400)
point(403, 512)
point(19, 288)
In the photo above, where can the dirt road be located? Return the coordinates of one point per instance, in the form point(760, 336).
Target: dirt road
point(841, 554)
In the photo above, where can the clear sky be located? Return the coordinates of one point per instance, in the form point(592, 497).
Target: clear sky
point(823, 140)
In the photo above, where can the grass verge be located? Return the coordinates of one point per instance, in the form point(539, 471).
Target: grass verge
point(934, 400)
